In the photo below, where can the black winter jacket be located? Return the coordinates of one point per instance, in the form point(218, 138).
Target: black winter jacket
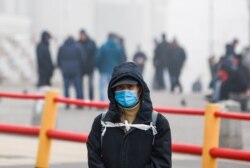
point(70, 58)
point(44, 61)
point(134, 148)
point(161, 55)
point(90, 48)
point(177, 57)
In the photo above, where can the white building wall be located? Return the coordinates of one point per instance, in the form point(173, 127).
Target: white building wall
point(13, 21)
point(9, 7)
point(63, 17)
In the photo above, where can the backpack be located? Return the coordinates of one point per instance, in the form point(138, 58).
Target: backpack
point(154, 120)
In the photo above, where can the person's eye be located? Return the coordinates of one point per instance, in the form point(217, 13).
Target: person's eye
point(131, 87)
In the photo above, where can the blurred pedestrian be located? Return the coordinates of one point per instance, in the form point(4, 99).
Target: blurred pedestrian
point(230, 48)
point(122, 44)
point(130, 134)
point(246, 62)
point(218, 77)
point(140, 59)
point(89, 64)
point(177, 57)
point(44, 62)
point(160, 61)
point(70, 61)
point(212, 66)
point(234, 80)
point(108, 56)
point(197, 86)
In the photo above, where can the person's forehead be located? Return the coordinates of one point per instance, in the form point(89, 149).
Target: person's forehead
point(83, 34)
point(126, 86)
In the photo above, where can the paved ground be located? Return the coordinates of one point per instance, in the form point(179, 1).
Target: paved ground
point(20, 152)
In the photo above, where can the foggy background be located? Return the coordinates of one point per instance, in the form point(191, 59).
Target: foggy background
point(202, 27)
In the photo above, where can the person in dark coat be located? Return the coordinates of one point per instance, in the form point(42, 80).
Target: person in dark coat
point(236, 80)
point(246, 63)
point(160, 62)
point(122, 44)
point(126, 144)
point(108, 56)
point(70, 61)
point(230, 48)
point(177, 57)
point(140, 59)
point(89, 64)
point(44, 61)
point(212, 66)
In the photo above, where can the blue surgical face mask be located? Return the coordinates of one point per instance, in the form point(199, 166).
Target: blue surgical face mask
point(126, 98)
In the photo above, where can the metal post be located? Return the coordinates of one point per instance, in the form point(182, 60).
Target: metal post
point(211, 136)
point(48, 122)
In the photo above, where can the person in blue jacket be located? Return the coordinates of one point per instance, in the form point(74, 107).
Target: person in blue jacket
point(108, 56)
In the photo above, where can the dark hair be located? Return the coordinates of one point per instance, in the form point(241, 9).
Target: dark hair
point(46, 34)
point(82, 31)
point(111, 36)
point(163, 36)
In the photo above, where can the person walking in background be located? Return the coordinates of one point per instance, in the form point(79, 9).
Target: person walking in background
point(160, 61)
point(108, 56)
point(225, 66)
point(197, 86)
point(212, 66)
point(44, 62)
point(230, 48)
point(70, 60)
point(234, 78)
point(140, 59)
point(120, 40)
point(177, 57)
point(246, 63)
point(130, 134)
point(88, 66)
point(45, 69)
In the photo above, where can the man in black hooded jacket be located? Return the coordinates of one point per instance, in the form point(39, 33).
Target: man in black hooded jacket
point(44, 62)
point(117, 139)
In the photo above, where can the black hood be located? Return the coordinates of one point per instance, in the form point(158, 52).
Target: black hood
point(45, 36)
point(130, 69)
